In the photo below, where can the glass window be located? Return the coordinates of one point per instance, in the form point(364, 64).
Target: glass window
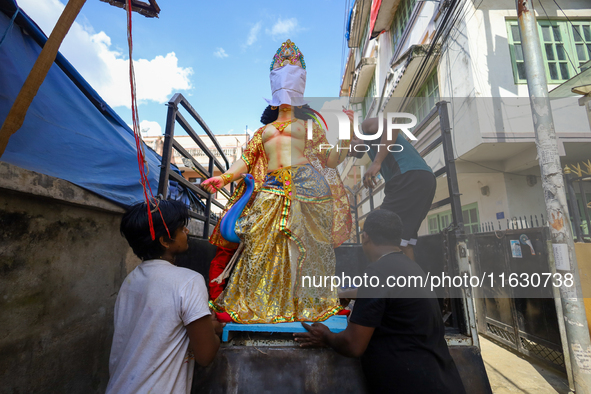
point(439, 221)
point(565, 48)
point(470, 218)
point(554, 51)
point(369, 96)
point(581, 32)
point(433, 224)
point(401, 18)
point(517, 52)
point(426, 98)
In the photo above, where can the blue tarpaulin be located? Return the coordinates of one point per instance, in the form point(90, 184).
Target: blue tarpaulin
point(348, 31)
point(69, 131)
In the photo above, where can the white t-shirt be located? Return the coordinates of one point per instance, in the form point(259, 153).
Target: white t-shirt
point(150, 352)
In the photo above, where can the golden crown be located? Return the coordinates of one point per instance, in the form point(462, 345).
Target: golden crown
point(288, 53)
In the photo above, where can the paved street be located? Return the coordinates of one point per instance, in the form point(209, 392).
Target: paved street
point(511, 373)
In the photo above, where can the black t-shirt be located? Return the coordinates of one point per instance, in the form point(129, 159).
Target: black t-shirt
point(407, 352)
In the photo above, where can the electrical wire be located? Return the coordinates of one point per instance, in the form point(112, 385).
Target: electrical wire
point(496, 169)
point(440, 35)
point(360, 23)
point(450, 81)
point(457, 32)
point(344, 39)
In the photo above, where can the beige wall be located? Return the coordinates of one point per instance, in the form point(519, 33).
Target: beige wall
point(62, 261)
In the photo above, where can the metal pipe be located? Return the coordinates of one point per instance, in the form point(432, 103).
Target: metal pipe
point(16, 116)
point(356, 218)
point(585, 209)
point(570, 191)
point(167, 151)
point(452, 175)
point(208, 202)
point(578, 346)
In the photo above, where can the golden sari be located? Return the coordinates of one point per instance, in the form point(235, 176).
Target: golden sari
point(295, 219)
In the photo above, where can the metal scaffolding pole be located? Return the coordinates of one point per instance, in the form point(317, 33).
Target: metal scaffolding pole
point(565, 261)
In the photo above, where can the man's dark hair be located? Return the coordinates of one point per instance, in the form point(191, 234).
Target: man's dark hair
point(135, 226)
point(383, 227)
point(270, 115)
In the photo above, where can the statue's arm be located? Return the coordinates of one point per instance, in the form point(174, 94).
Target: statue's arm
point(339, 152)
point(337, 155)
point(235, 172)
point(238, 168)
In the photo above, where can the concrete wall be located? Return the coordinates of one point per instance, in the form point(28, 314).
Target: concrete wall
point(524, 199)
point(470, 185)
point(62, 261)
point(268, 365)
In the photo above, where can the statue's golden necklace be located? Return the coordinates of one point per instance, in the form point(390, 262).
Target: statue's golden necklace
point(282, 125)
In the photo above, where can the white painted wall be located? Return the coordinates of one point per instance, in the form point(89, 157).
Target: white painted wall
point(525, 200)
point(476, 64)
point(475, 74)
point(488, 206)
point(509, 195)
point(422, 25)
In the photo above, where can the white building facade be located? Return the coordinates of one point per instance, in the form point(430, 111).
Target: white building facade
point(471, 57)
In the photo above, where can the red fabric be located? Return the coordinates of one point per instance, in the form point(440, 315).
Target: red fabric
point(223, 317)
point(216, 267)
point(375, 10)
point(344, 312)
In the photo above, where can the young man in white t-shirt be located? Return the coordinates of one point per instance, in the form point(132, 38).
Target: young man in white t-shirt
point(162, 319)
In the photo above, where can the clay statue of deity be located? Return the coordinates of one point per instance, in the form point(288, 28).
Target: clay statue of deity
point(297, 215)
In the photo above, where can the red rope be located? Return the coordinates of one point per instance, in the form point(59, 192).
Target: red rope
point(141, 159)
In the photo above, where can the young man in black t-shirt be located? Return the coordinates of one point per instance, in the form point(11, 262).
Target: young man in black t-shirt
point(397, 331)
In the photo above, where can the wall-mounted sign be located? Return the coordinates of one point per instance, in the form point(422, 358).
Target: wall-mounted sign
point(516, 249)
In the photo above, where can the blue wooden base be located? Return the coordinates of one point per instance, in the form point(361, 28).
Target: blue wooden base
point(334, 323)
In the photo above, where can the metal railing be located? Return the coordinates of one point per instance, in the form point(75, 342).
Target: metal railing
point(515, 223)
point(170, 145)
point(452, 234)
point(440, 110)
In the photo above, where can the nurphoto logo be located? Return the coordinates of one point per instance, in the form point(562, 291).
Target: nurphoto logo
point(344, 130)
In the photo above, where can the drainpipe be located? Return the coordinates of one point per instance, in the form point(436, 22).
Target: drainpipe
point(578, 347)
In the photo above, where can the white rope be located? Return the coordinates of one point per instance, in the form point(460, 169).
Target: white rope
point(226, 272)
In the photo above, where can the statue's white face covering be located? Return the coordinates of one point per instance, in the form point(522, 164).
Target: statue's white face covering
point(288, 76)
point(288, 84)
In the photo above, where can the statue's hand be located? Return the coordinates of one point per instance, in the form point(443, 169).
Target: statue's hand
point(213, 184)
point(349, 113)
